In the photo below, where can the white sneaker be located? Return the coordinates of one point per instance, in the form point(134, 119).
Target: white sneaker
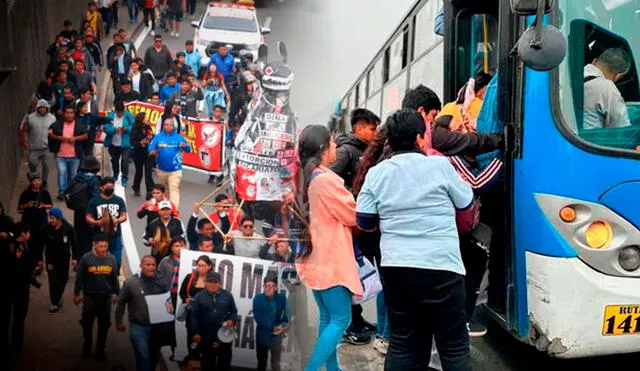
point(177, 35)
point(173, 33)
point(153, 33)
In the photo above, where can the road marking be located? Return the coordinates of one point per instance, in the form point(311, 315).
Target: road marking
point(141, 37)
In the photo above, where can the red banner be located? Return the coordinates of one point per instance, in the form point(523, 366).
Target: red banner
point(206, 139)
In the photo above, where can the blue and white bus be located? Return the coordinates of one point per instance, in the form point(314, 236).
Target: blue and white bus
point(566, 275)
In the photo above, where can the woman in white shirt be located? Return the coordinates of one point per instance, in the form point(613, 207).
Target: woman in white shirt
point(141, 82)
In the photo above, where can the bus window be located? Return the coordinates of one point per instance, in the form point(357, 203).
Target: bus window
point(599, 91)
point(428, 70)
point(423, 35)
point(396, 55)
point(362, 93)
point(375, 78)
point(357, 93)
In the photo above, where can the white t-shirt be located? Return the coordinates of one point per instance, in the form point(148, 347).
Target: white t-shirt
point(117, 137)
point(135, 82)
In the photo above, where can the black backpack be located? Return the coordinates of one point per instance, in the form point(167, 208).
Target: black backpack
point(76, 196)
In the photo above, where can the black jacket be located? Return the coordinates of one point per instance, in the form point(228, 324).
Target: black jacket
point(471, 144)
point(59, 244)
point(146, 86)
point(190, 109)
point(209, 311)
point(138, 133)
point(79, 129)
point(17, 268)
point(132, 96)
point(348, 154)
point(175, 230)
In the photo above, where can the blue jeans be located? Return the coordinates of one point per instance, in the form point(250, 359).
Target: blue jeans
point(115, 248)
point(383, 329)
point(139, 336)
point(107, 18)
point(132, 8)
point(334, 305)
point(67, 169)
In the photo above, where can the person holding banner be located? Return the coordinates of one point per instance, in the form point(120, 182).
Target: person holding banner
point(211, 309)
point(270, 312)
point(332, 211)
point(167, 146)
point(142, 296)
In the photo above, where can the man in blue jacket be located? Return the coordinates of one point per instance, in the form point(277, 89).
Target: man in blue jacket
point(212, 308)
point(192, 57)
point(118, 140)
point(270, 313)
point(168, 146)
point(224, 61)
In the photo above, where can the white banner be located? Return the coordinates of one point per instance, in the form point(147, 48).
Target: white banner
point(243, 278)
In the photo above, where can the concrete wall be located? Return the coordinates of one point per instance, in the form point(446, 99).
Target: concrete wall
point(31, 25)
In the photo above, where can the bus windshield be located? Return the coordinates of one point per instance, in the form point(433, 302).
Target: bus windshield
point(599, 91)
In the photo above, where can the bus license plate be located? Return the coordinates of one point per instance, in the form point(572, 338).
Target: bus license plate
point(621, 320)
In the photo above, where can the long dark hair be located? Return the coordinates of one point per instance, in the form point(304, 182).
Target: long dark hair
point(205, 259)
point(139, 121)
point(371, 157)
point(314, 140)
point(481, 80)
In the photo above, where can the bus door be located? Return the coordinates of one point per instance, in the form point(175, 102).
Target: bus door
point(478, 37)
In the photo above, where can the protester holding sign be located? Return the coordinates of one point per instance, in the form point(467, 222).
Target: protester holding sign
point(168, 146)
point(270, 313)
point(332, 211)
point(194, 283)
point(212, 309)
point(145, 326)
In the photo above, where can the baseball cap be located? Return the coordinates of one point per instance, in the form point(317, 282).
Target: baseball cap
point(33, 175)
point(213, 277)
point(56, 213)
point(164, 205)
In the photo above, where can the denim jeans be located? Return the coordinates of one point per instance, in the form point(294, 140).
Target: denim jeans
point(132, 8)
point(120, 162)
point(383, 330)
point(147, 354)
point(67, 169)
point(107, 18)
point(334, 305)
point(191, 6)
point(423, 304)
point(115, 248)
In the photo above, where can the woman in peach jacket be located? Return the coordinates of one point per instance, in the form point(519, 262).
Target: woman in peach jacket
point(328, 267)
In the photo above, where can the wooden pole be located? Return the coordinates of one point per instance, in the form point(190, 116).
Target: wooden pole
point(224, 184)
point(214, 224)
point(267, 238)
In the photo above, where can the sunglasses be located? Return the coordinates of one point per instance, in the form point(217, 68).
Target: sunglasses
point(247, 226)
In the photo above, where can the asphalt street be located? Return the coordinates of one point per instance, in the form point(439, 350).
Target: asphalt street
point(328, 47)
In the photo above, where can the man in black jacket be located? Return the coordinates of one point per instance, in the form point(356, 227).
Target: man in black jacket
point(427, 103)
point(59, 242)
point(212, 308)
point(351, 146)
point(17, 269)
point(155, 235)
point(126, 94)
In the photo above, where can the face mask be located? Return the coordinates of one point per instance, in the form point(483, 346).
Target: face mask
point(108, 191)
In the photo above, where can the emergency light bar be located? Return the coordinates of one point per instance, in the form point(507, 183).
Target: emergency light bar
point(239, 5)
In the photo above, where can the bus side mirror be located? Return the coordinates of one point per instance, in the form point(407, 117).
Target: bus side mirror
point(541, 47)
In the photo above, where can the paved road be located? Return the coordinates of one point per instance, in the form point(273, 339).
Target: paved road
point(326, 55)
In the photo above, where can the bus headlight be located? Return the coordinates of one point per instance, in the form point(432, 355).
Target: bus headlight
point(598, 234)
point(629, 258)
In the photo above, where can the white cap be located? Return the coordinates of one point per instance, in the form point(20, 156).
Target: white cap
point(164, 205)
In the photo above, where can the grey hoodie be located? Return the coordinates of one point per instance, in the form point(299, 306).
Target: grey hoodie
point(38, 127)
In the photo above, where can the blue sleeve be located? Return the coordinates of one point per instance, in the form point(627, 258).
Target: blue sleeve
point(154, 144)
point(108, 127)
point(259, 313)
point(128, 122)
point(188, 147)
